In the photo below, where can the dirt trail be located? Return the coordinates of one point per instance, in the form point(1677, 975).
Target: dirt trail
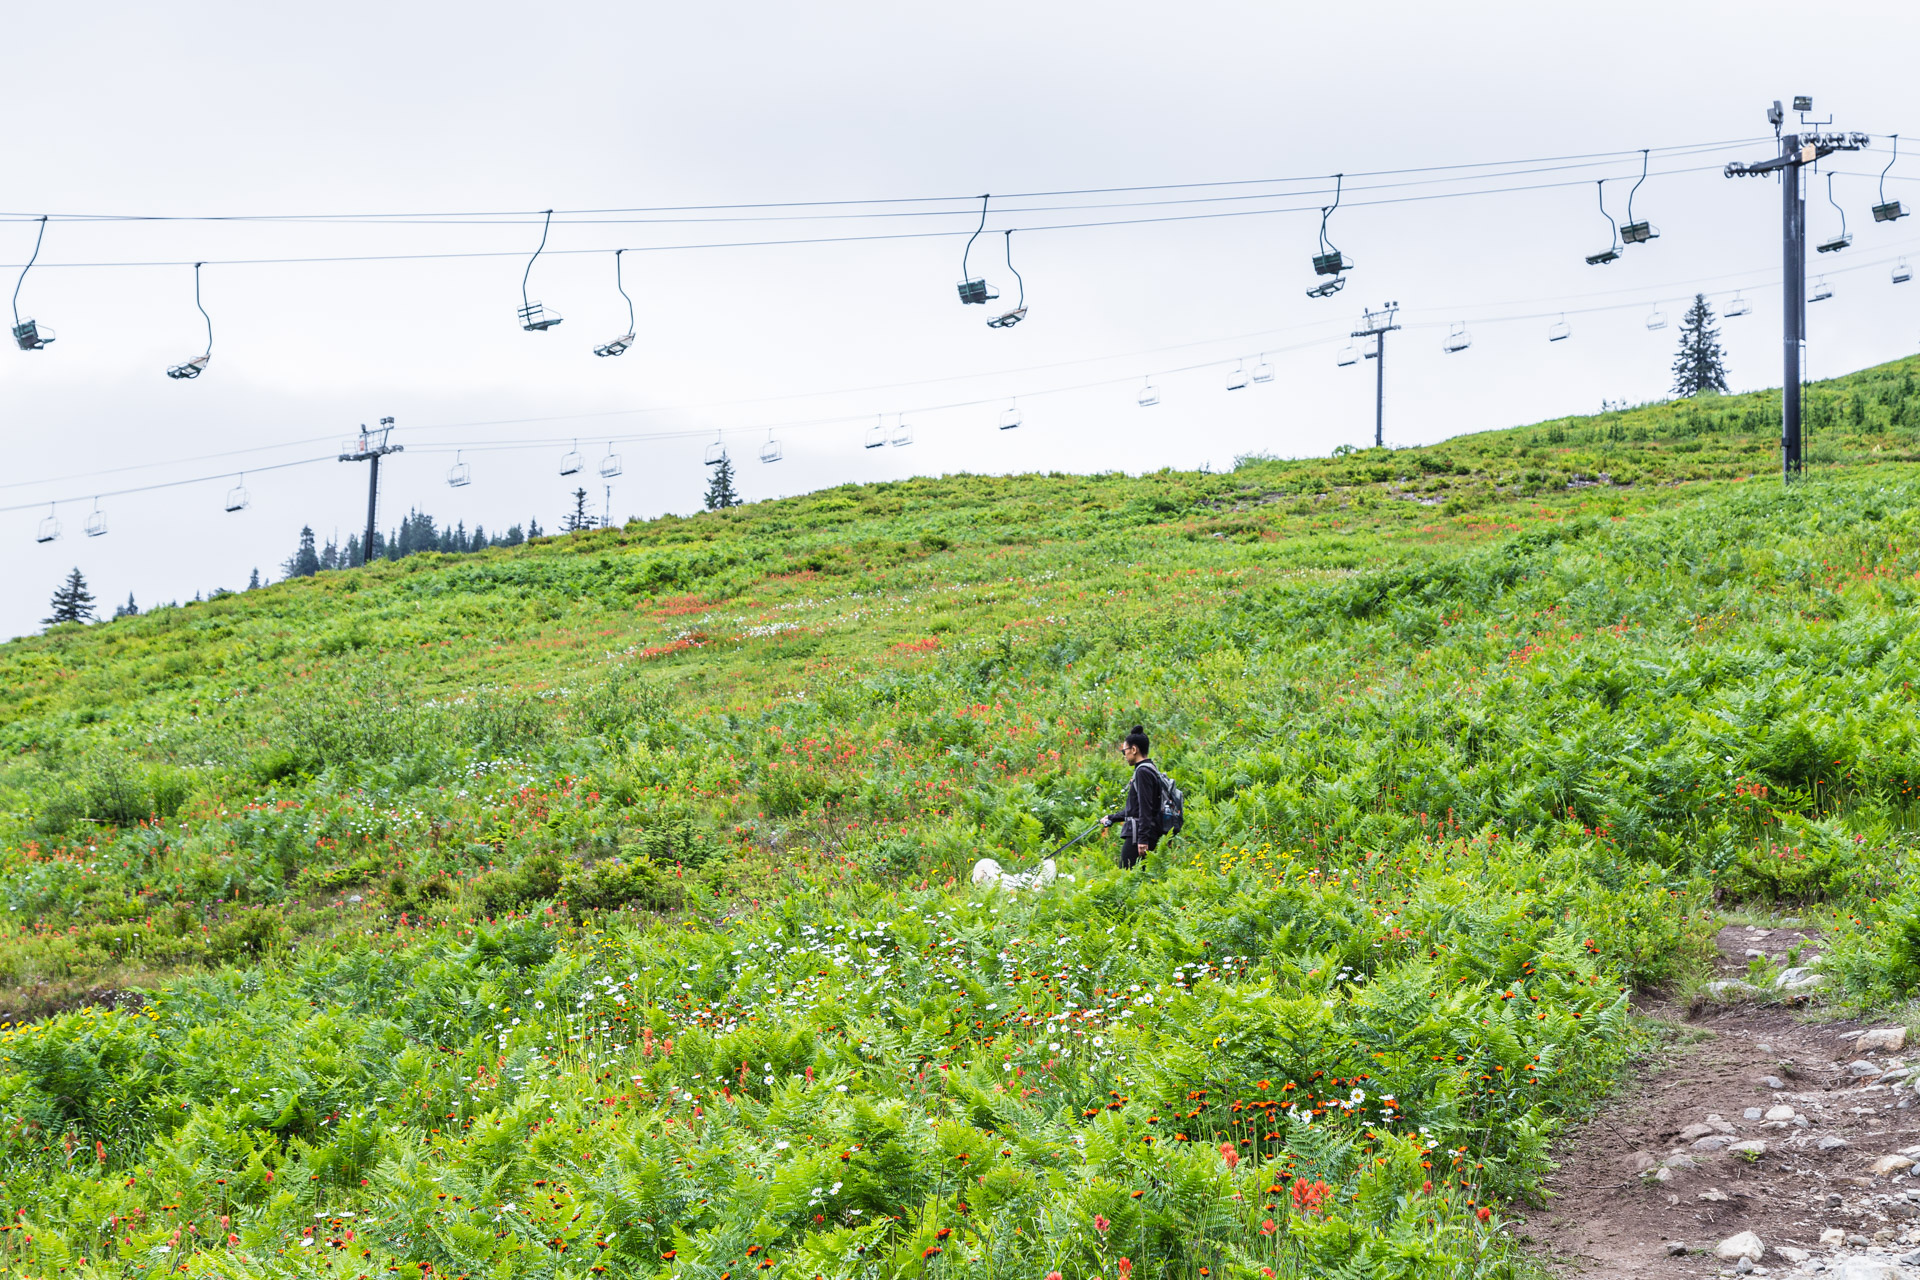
point(1653, 1169)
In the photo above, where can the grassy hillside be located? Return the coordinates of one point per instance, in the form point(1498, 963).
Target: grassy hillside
point(600, 906)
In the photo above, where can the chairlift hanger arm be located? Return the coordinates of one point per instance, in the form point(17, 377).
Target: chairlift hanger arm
point(1883, 173)
point(203, 309)
point(42, 235)
point(976, 234)
point(1016, 272)
point(618, 283)
point(528, 273)
point(1326, 245)
point(1636, 186)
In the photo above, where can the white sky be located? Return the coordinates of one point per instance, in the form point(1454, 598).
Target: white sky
point(355, 108)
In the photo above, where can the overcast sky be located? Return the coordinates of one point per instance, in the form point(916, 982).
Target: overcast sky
point(356, 108)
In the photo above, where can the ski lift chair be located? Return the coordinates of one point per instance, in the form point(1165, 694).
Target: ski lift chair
point(1331, 264)
point(716, 452)
point(1008, 319)
point(619, 345)
point(238, 499)
point(1327, 288)
point(1011, 418)
point(1458, 339)
point(876, 436)
point(1656, 319)
point(460, 474)
point(1821, 291)
point(31, 335)
point(1349, 354)
point(190, 370)
point(1902, 272)
point(770, 452)
point(1237, 380)
point(1613, 250)
point(1836, 244)
point(1738, 307)
point(1889, 211)
point(535, 318)
point(1149, 395)
point(1263, 372)
point(902, 435)
point(1559, 330)
point(610, 465)
point(1638, 232)
point(571, 463)
point(49, 530)
point(96, 525)
point(1609, 254)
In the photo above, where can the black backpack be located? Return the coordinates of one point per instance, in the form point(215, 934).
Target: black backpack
point(1173, 805)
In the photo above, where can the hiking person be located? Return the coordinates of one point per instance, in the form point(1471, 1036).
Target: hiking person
point(1141, 824)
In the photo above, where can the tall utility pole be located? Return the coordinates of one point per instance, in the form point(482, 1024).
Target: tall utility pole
point(1378, 325)
point(1797, 151)
point(373, 447)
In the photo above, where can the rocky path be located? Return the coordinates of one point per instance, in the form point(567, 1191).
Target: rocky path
point(1758, 1142)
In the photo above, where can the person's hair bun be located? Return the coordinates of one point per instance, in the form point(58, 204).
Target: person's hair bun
point(1138, 729)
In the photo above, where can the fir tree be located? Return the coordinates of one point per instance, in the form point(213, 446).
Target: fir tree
point(1701, 364)
point(720, 492)
point(253, 581)
point(534, 530)
point(127, 610)
point(578, 519)
point(72, 602)
point(305, 561)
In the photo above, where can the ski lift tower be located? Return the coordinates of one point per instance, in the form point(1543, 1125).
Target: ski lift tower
point(1378, 324)
point(1797, 150)
point(373, 446)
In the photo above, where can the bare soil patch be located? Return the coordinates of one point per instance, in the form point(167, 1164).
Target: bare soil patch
point(1669, 1161)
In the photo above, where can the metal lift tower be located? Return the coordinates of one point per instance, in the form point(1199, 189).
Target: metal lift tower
point(373, 447)
point(1797, 151)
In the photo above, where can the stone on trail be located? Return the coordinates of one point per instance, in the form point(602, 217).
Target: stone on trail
point(1773, 1082)
point(1832, 1238)
point(1730, 989)
point(1676, 1248)
point(1792, 1254)
point(1886, 1166)
point(1831, 1144)
point(1744, 1245)
point(1713, 1195)
point(1753, 1149)
point(1780, 1113)
point(1751, 1113)
point(1868, 1269)
point(1700, 1129)
point(1798, 980)
point(1861, 1067)
point(1712, 1142)
point(1884, 1039)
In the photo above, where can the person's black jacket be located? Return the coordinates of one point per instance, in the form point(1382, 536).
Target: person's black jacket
point(1146, 802)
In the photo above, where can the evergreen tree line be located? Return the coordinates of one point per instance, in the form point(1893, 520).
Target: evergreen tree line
point(418, 532)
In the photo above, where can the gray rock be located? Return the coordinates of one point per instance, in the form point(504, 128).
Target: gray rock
point(1676, 1248)
point(1867, 1269)
point(1730, 989)
point(1773, 1082)
point(1754, 1148)
point(1862, 1068)
point(1751, 1113)
point(1882, 1040)
point(1798, 980)
point(1831, 1144)
point(1857, 1240)
point(1712, 1142)
point(1755, 955)
point(1781, 1112)
point(1745, 1245)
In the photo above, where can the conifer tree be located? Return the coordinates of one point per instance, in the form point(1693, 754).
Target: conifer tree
point(253, 581)
point(72, 602)
point(1700, 365)
point(720, 491)
point(305, 561)
point(578, 519)
point(127, 610)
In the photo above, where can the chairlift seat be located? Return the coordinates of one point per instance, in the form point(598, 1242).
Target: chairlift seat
point(1330, 264)
point(1349, 355)
point(610, 466)
point(1821, 291)
point(459, 475)
point(1149, 396)
point(1836, 244)
point(1008, 320)
point(1458, 339)
point(1609, 254)
point(876, 438)
point(1263, 372)
point(1559, 331)
point(32, 335)
point(1902, 272)
point(715, 452)
point(1010, 419)
point(191, 369)
point(1738, 307)
point(1237, 380)
point(536, 319)
point(49, 530)
point(976, 292)
point(770, 452)
point(238, 499)
point(1327, 288)
point(1657, 320)
point(902, 436)
point(571, 464)
point(96, 525)
point(1639, 232)
point(615, 348)
point(1889, 211)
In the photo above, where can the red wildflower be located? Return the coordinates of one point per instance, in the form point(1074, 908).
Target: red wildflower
point(1266, 1228)
point(1101, 1224)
